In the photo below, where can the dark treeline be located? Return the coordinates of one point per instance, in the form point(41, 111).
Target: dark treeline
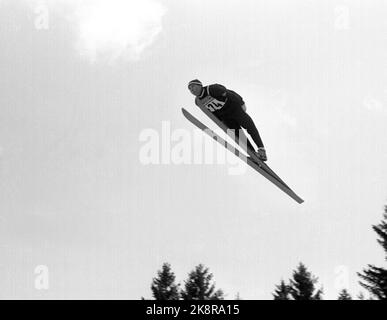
point(303, 285)
point(198, 286)
point(373, 278)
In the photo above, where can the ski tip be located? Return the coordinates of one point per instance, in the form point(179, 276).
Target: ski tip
point(185, 112)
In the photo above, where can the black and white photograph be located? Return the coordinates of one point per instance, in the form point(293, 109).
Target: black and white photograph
point(181, 150)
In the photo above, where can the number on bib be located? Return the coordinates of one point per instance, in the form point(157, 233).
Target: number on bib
point(214, 105)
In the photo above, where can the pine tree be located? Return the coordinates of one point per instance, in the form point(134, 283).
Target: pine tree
point(164, 287)
point(282, 291)
point(374, 279)
point(302, 286)
point(199, 286)
point(344, 295)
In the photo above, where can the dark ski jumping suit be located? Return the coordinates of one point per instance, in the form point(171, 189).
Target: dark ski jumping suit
point(226, 105)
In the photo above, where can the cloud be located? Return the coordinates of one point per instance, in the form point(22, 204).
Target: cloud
point(115, 29)
point(374, 104)
point(109, 29)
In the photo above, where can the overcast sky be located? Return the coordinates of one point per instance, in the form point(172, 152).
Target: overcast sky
point(81, 81)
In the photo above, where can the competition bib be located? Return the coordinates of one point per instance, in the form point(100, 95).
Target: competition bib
point(211, 103)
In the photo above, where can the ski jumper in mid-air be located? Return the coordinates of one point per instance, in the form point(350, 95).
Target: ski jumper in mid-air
point(228, 107)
